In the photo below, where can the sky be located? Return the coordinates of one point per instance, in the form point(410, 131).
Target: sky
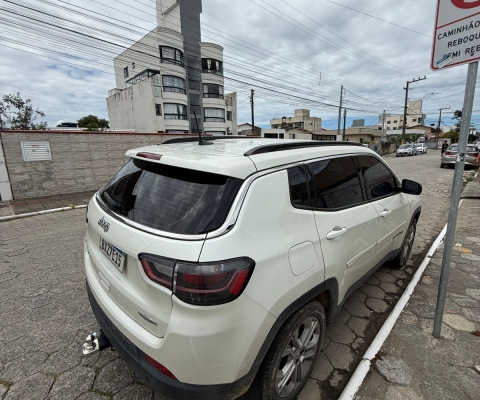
point(293, 53)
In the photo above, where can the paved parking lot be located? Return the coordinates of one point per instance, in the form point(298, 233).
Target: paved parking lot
point(45, 315)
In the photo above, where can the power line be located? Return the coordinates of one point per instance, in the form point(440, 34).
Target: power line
point(377, 18)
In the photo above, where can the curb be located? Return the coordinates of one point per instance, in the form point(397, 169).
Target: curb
point(32, 214)
point(363, 368)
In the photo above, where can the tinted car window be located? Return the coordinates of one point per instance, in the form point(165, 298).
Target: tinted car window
point(334, 184)
point(379, 181)
point(171, 199)
point(298, 187)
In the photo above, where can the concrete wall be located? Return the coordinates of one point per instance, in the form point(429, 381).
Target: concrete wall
point(5, 191)
point(80, 161)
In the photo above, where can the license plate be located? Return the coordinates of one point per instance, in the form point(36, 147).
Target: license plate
point(116, 256)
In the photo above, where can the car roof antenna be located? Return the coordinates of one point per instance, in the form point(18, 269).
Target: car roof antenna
point(201, 141)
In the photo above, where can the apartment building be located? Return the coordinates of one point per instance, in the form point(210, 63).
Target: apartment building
point(301, 122)
point(170, 81)
point(415, 117)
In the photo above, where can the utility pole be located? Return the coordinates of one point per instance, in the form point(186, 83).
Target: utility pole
point(437, 134)
point(253, 111)
point(406, 105)
point(383, 124)
point(340, 111)
point(455, 196)
point(344, 122)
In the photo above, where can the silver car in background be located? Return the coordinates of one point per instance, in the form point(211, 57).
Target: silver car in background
point(450, 156)
point(406, 150)
point(421, 148)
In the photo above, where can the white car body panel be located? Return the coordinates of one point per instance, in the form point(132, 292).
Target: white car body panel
point(348, 258)
point(267, 228)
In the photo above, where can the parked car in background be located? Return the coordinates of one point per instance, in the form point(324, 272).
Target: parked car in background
point(421, 148)
point(450, 156)
point(407, 150)
point(213, 269)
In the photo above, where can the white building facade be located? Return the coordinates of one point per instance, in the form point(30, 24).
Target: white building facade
point(415, 116)
point(171, 82)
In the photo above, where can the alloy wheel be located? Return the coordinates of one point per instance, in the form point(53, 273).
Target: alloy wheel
point(407, 247)
point(297, 357)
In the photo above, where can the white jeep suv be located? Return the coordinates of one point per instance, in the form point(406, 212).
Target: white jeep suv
point(212, 269)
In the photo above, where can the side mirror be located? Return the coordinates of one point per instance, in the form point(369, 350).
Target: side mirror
point(411, 187)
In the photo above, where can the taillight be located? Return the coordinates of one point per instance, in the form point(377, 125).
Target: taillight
point(449, 153)
point(158, 269)
point(208, 283)
point(164, 370)
point(212, 283)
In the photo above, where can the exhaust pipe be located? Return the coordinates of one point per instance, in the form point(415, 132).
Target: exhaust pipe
point(96, 341)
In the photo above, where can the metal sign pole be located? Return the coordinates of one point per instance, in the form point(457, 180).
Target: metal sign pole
point(455, 197)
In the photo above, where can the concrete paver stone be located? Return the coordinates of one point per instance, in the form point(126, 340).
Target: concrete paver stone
point(339, 355)
point(458, 322)
point(394, 369)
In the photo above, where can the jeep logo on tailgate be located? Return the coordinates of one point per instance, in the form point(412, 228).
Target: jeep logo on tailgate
point(104, 224)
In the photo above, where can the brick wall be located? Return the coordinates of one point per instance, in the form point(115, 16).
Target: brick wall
point(80, 161)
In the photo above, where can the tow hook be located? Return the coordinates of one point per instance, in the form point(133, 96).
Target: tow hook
point(96, 341)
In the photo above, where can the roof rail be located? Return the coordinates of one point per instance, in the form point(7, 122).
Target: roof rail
point(270, 148)
point(207, 138)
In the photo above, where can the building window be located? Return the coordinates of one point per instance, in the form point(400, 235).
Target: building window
point(140, 77)
point(210, 90)
point(196, 110)
point(389, 122)
point(229, 115)
point(125, 72)
point(174, 111)
point(171, 55)
point(395, 121)
point(394, 128)
point(173, 84)
point(361, 140)
point(158, 109)
point(214, 115)
point(193, 84)
point(388, 128)
point(212, 66)
point(414, 120)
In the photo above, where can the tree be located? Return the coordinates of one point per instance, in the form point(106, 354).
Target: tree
point(19, 113)
point(458, 116)
point(454, 135)
point(93, 123)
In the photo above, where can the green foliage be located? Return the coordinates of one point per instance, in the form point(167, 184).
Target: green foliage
point(93, 123)
point(454, 135)
point(19, 113)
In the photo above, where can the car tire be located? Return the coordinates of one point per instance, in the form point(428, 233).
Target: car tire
point(401, 259)
point(286, 356)
point(442, 165)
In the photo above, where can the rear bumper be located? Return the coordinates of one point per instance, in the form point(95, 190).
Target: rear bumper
point(168, 387)
point(453, 161)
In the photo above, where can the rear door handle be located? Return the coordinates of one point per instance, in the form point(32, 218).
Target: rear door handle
point(336, 233)
point(385, 213)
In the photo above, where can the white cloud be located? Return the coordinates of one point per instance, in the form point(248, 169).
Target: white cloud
point(304, 60)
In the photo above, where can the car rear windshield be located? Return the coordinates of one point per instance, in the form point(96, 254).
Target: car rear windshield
point(171, 199)
point(470, 149)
